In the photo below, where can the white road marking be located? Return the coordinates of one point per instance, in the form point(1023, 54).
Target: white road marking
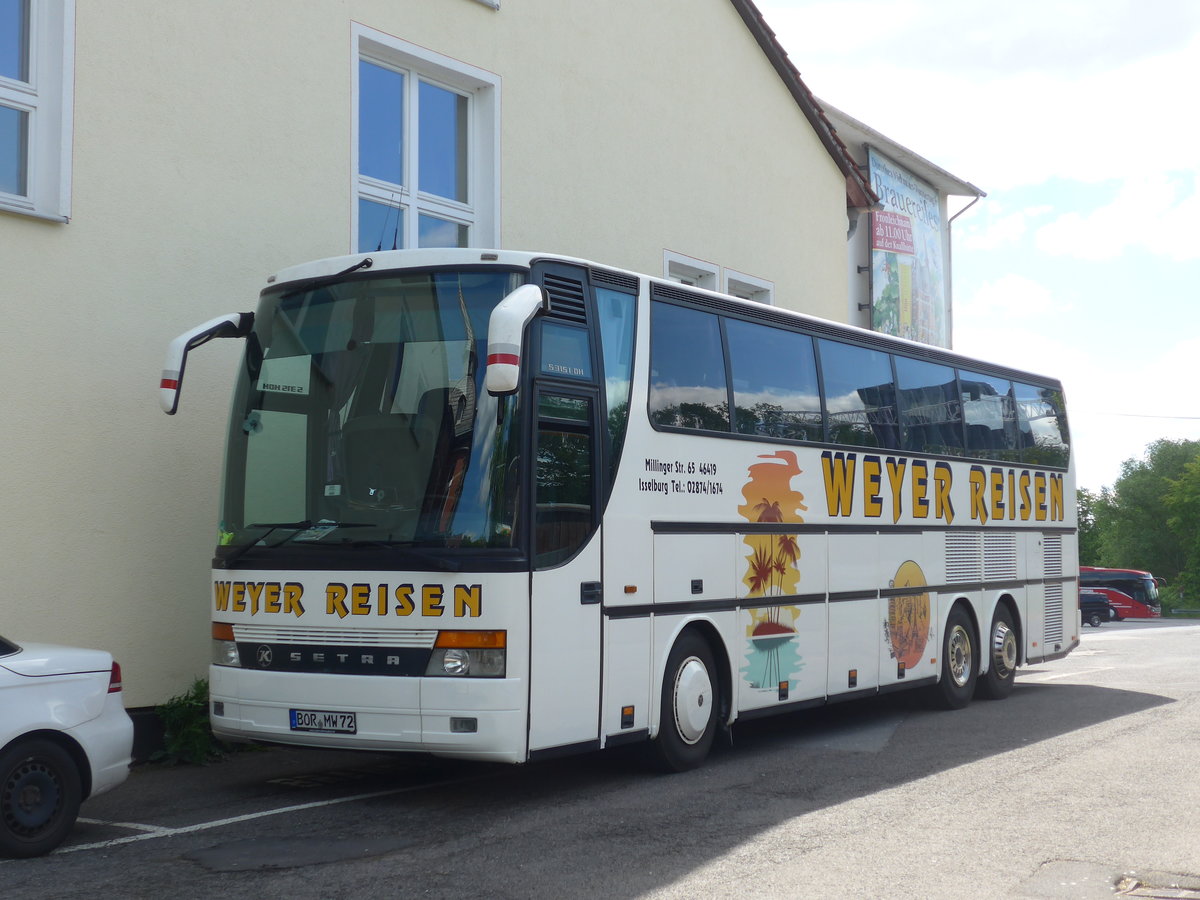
point(155, 831)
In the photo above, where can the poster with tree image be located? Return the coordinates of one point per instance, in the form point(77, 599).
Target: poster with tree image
point(908, 293)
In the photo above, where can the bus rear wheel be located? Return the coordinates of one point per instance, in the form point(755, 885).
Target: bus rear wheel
point(956, 685)
point(997, 683)
point(688, 706)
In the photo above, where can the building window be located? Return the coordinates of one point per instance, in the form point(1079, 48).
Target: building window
point(426, 136)
point(36, 80)
point(748, 287)
point(690, 271)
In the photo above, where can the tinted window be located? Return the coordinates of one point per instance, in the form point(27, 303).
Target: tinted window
point(774, 382)
point(990, 416)
point(563, 512)
point(1042, 424)
point(859, 395)
point(687, 369)
point(565, 351)
point(930, 412)
point(617, 313)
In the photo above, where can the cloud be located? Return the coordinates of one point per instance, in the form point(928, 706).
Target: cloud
point(1157, 213)
point(985, 40)
point(1009, 299)
point(1013, 94)
point(989, 232)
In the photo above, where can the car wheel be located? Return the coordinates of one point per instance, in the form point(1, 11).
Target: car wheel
point(1094, 619)
point(39, 797)
point(689, 702)
point(997, 683)
point(956, 685)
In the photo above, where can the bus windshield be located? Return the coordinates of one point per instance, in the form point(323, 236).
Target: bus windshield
point(360, 418)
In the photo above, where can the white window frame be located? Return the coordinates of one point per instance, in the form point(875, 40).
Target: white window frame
point(481, 211)
point(48, 99)
point(691, 271)
point(748, 287)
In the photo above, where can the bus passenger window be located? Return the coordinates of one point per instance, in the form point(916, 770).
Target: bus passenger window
point(990, 416)
point(930, 408)
point(687, 369)
point(775, 391)
point(1042, 422)
point(860, 399)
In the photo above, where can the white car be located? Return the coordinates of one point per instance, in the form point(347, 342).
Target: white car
point(64, 737)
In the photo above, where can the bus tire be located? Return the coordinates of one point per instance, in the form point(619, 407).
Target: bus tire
point(960, 666)
point(997, 683)
point(40, 793)
point(688, 707)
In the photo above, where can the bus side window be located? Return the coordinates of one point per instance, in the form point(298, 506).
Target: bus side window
point(860, 398)
point(617, 314)
point(1043, 425)
point(990, 416)
point(930, 408)
point(774, 382)
point(687, 369)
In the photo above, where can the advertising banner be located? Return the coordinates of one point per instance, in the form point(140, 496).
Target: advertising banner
point(908, 287)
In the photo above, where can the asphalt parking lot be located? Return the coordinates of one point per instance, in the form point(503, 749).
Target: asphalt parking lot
point(1084, 777)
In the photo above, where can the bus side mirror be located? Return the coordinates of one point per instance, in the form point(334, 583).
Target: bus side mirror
point(232, 325)
point(506, 335)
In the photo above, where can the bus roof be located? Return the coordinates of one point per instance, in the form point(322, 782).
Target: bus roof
point(356, 265)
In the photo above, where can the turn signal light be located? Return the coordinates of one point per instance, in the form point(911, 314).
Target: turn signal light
point(489, 640)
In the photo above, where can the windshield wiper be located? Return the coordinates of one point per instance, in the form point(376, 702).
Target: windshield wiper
point(296, 528)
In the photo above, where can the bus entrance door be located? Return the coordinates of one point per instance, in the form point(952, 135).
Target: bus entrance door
point(566, 600)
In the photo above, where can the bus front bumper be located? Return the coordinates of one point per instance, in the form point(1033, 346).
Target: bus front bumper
point(475, 718)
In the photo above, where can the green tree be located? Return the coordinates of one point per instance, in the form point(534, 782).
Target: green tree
point(1094, 510)
point(1134, 531)
point(1183, 502)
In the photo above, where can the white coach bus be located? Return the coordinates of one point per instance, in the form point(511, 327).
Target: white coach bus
point(503, 506)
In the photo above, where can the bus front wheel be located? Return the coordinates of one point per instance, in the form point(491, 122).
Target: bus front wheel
point(688, 708)
point(959, 663)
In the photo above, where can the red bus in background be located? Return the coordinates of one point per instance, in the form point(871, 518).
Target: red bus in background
point(1131, 592)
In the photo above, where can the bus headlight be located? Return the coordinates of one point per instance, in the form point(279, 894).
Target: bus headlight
point(224, 648)
point(456, 661)
point(468, 654)
point(225, 653)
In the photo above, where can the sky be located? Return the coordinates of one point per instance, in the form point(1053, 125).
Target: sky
point(1079, 120)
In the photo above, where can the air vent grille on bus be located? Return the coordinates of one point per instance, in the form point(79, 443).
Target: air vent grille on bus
point(567, 300)
point(602, 277)
point(964, 562)
point(1052, 555)
point(1000, 557)
point(1054, 612)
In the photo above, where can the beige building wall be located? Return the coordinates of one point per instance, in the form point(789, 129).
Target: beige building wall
point(212, 146)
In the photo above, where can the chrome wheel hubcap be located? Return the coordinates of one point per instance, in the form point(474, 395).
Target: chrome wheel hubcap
point(693, 700)
point(959, 647)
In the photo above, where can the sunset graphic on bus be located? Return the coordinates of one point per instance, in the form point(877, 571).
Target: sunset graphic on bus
point(772, 570)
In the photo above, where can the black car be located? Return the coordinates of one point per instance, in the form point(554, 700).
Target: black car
point(1095, 609)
